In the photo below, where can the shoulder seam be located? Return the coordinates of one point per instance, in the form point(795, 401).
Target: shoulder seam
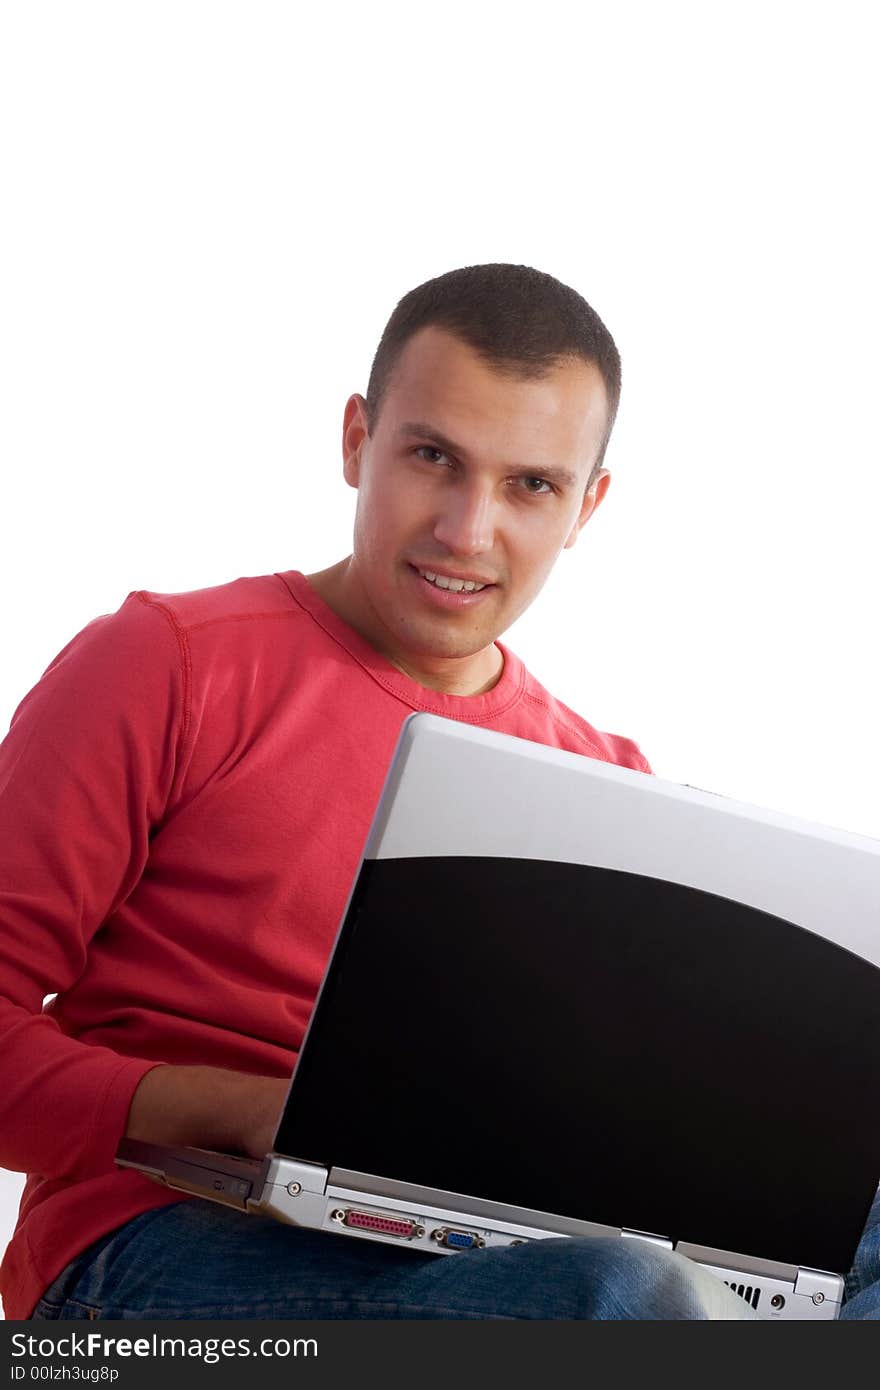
point(185, 660)
point(569, 728)
point(240, 618)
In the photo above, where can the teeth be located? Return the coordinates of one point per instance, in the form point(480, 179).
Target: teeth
point(456, 585)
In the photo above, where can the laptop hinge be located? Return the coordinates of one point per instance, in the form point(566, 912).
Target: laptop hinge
point(295, 1175)
point(818, 1285)
point(649, 1236)
point(732, 1259)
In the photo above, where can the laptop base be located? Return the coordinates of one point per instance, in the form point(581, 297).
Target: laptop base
point(359, 1205)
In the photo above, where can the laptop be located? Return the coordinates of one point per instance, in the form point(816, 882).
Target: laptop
point(571, 999)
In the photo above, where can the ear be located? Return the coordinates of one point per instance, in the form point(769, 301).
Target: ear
point(593, 496)
point(354, 436)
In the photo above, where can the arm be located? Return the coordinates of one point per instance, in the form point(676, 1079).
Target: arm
point(86, 773)
point(209, 1108)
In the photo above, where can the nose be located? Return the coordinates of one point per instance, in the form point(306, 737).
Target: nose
point(466, 523)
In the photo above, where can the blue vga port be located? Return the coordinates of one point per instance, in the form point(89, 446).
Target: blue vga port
point(457, 1240)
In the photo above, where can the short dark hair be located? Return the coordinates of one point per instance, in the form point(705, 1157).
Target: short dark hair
point(522, 321)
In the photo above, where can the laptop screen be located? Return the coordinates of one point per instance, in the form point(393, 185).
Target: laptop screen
point(598, 1044)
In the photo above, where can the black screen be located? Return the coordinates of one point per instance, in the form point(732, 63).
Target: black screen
point(599, 1045)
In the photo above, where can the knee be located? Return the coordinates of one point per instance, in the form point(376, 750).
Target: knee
point(615, 1278)
point(634, 1278)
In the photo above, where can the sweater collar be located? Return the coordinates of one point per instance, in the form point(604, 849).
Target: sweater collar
point(474, 709)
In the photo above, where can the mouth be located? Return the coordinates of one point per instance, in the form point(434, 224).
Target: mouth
point(451, 589)
point(453, 583)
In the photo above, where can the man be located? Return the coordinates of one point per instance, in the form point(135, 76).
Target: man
point(185, 794)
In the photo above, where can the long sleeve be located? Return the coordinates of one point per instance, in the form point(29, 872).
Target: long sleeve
point(86, 772)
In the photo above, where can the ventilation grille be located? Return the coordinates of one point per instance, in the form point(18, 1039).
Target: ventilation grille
point(746, 1291)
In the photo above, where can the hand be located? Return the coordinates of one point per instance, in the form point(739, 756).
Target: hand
point(262, 1101)
point(208, 1108)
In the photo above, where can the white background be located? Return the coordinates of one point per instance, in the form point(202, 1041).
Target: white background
point(210, 210)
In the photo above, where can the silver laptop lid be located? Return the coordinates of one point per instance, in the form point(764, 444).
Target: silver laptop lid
point(574, 988)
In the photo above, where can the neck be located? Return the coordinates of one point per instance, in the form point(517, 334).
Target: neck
point(467, 675)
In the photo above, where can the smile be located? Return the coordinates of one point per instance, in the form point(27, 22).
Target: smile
point(457, 586)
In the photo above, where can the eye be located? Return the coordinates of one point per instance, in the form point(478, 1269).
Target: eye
point(429, 449)
point(538, 487)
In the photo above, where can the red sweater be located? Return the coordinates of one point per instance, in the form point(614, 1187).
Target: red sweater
point(184, 797)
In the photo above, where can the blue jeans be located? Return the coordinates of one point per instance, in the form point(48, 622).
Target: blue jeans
point(198, 1260)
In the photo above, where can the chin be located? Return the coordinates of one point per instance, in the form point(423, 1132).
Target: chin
point(450, 651)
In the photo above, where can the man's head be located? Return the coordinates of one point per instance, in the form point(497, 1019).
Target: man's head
point(521, 321)
point(477, 457)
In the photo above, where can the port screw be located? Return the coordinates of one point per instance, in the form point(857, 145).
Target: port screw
point(420, 1230)
point(438, 1234)
point(818, 1298)
point(337, 1215)
point(777, 1301)
point(294, 1188)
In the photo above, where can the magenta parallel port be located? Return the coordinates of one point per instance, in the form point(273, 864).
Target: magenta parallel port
point(385, 1225)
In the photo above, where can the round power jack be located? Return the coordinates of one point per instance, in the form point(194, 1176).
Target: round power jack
point(777, 1301)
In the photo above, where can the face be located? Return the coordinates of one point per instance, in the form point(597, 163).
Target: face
point(469, 477)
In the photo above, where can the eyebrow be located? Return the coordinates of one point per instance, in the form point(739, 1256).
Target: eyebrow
point(563, 477)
